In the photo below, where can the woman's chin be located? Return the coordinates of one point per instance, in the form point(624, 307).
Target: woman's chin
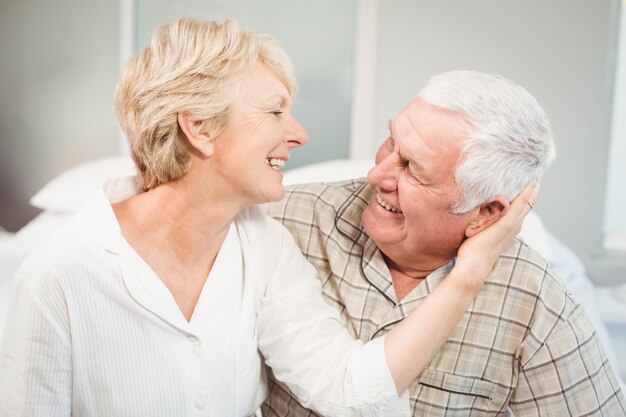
point(278, 195)
point(272, 194)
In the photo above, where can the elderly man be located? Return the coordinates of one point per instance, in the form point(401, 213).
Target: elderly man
point(454, 158)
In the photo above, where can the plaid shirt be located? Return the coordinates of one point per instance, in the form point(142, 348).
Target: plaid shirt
point(524, 345)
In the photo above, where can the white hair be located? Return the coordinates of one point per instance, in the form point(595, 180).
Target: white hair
point(509, 140)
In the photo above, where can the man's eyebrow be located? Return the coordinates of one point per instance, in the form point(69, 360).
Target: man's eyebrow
point(389, 127)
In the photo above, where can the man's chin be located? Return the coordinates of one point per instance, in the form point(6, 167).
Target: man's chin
point(373, 226)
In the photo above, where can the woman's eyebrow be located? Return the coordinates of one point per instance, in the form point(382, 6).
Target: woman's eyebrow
point(279, 99)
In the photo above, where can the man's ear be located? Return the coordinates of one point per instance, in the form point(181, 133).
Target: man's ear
point(488, 214)
point(198, 134)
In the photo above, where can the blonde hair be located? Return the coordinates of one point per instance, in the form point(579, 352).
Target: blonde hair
point(191, 66)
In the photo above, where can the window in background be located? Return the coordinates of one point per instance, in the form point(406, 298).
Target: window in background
point(615, 205)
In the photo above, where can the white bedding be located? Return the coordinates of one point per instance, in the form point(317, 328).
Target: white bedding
point(65, 194)
point(7, 266)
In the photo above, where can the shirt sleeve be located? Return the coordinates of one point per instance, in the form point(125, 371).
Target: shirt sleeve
point(307, 347)
point(569, 375)
point(35, 362)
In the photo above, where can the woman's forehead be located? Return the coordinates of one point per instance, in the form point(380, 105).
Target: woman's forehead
point(260, 84)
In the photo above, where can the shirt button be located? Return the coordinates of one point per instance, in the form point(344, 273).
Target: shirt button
point(200, 404)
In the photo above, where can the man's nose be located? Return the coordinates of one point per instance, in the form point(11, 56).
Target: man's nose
point(385, 173)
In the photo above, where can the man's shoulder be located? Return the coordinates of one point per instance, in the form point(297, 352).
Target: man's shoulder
point(304, 200)
point(329, 192)
point(531, 285)
point(523, 267)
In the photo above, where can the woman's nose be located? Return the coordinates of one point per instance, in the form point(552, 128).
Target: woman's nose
point(296, 135)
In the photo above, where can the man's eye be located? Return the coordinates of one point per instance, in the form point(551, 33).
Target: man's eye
point(413, 178)
point(277, 113)
point(411, 175)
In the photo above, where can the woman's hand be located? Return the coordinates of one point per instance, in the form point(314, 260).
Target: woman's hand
point(479, 253)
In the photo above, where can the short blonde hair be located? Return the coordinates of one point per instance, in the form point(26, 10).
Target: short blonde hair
point(191, 66)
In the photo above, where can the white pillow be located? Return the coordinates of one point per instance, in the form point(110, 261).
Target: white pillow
point(537, 236)
point(329, 171)
point(72, 188)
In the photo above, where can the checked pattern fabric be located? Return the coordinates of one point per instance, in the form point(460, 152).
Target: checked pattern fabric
point(524, 346)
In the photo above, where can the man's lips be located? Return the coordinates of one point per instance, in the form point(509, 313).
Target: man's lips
point(386, 205)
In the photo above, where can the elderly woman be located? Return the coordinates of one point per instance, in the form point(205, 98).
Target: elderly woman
point(161, 295)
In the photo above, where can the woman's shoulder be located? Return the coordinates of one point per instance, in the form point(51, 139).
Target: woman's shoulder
point(259, 226)
point(268, 239)
point(58, 245)
point(62, 255)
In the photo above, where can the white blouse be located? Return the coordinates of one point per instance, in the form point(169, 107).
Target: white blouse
point(92, 331)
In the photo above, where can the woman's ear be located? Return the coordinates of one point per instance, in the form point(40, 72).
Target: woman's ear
point(488, 214)
point(198, 133)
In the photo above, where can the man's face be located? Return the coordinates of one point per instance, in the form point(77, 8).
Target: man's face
point(410, 218)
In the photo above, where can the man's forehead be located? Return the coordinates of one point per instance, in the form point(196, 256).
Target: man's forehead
point(400, 123)
point(428, 135)
point(404, 119)
point(422, 118)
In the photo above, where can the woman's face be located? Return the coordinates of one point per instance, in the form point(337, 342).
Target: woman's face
point(258, 139)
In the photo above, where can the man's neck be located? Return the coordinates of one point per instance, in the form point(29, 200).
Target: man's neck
point(403, 283)
point(405, 279)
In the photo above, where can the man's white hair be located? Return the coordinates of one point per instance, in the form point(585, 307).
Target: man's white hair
point(509, 140)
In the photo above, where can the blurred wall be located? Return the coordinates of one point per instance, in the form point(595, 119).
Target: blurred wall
point(60, 61)
point(317, 35)
point(57, 73)
point(562, 51)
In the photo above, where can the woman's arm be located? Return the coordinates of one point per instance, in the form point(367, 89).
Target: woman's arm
point(35, 356)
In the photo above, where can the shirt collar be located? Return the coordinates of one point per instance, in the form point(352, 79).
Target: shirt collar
point(348, 218)
point(348, 221)
point(96, 219)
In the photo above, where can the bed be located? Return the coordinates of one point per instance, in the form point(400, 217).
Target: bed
point(65, 194)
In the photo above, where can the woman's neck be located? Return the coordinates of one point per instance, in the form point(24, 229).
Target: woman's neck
point(178, 232)
point(183, 218)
